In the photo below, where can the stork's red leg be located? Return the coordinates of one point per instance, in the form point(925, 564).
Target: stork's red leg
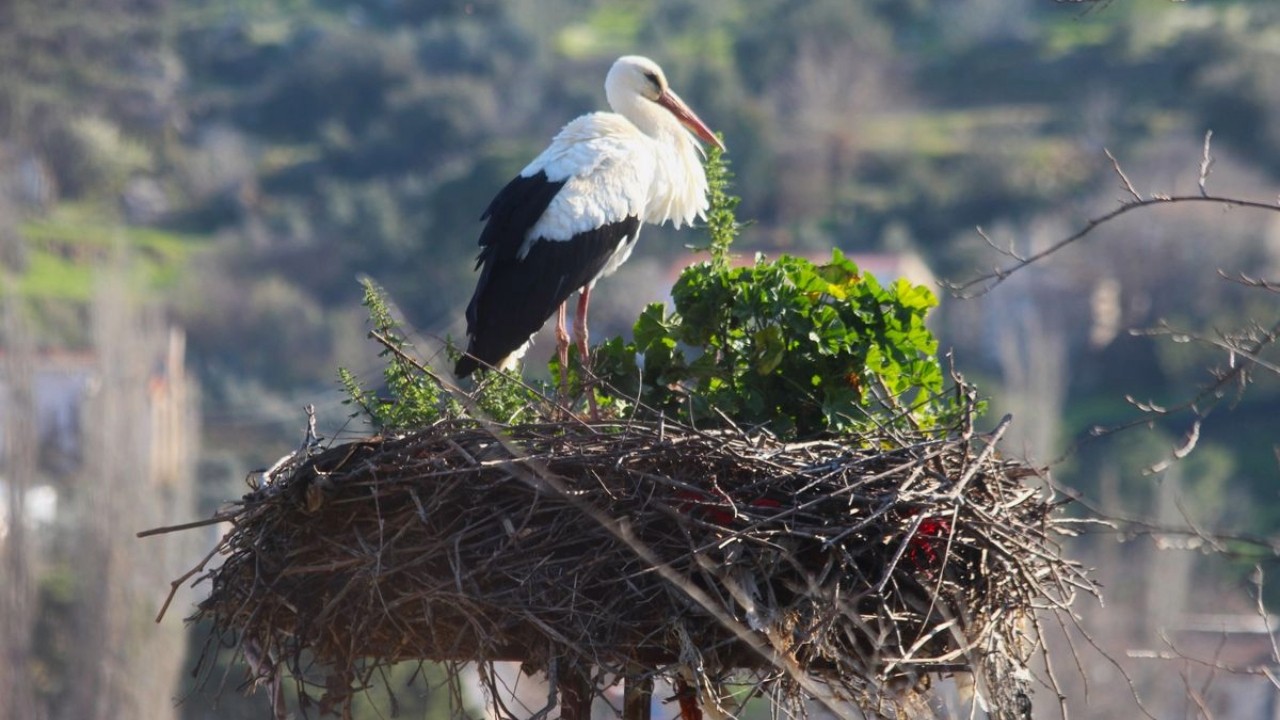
point(580, 328)
point(562, 349)
point(584, 352)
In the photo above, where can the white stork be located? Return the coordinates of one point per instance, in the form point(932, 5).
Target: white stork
point(572, 215)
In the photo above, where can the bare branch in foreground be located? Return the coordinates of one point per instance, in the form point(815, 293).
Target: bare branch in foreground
point(985, 282)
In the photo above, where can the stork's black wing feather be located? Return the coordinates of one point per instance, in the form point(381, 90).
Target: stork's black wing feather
point(513, 211)
point(514, 296)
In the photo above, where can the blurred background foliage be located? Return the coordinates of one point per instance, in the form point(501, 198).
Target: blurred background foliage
point(253, 158)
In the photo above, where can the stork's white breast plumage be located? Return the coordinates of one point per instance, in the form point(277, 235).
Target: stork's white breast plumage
point(574, 213)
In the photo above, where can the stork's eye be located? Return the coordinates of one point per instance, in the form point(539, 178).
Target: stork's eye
point(652, 77)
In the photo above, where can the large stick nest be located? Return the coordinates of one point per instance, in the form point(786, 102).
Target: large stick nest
point(847, 571)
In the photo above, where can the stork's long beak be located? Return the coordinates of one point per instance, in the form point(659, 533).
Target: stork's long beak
point(672, 102)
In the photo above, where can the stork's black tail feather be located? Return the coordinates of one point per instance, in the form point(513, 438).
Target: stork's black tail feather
point(516, 295)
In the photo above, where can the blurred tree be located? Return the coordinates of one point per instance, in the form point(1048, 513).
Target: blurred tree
point(69, 60)
point(138, 473)
point(19, 673)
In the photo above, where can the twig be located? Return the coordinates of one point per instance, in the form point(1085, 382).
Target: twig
point(1128, 185)
point(1206, 164)
point(1243, 279)
point(1262, 613)
point(219, 518)
point(978, 463)
point(181, 580)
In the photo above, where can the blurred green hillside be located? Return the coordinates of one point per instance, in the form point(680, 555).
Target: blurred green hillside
point(247, 160)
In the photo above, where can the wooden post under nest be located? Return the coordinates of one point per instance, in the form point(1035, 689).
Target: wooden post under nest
point(637, 694)
point(575, 695)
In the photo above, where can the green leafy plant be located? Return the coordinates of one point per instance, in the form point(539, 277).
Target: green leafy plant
point(412, 395)
point(411, 398)
point(801, 348)
point(722, 219)
point(506, 398)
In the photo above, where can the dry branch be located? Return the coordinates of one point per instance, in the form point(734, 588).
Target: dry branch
point(986, 282)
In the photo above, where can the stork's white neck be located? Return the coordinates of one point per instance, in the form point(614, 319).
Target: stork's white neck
point(679, 191)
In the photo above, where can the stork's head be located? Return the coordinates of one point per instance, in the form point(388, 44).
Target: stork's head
point(636, 81)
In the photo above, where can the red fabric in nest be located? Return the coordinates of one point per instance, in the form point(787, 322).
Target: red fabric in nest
point(926, 546)
point(720, 512)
